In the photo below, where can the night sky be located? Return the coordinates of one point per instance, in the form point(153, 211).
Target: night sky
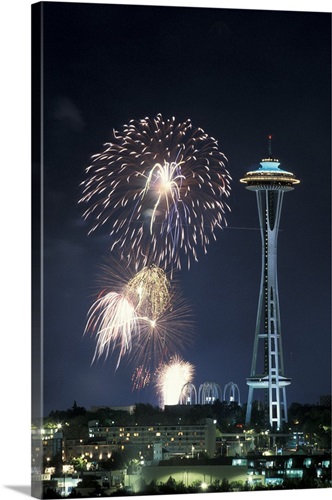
point(240, 75)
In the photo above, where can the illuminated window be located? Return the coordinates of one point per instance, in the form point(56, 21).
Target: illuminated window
point(239, 461)
point(294, 472)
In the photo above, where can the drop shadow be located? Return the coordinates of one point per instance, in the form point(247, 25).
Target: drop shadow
point(24, 490)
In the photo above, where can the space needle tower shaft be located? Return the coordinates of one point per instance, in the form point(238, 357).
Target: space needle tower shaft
point(267, 367)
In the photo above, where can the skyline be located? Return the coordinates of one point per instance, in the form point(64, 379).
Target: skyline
point(222, 69)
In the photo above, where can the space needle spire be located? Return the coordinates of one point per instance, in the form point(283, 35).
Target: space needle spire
point(270, 146)
point(267, 368)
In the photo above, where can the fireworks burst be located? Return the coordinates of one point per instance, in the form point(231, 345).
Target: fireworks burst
point(161, 187)
point(171, 379)
point(139, 310)
point(114, 320)
point(149, 291)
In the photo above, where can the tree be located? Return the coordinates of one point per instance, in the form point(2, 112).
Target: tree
point(77, 410)
point(258, 416)
point(237, 486)
point(116, 461)
point(195, 487)
point(169, 487)
point(215, 486)
point(146, 414)
point(152, 488)
point(225, 486)
point(79, 463)
point(181, 487)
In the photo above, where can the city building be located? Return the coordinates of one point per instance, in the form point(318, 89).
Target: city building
point(177, 439)
point(267, 369)
point(262, 470)
point(92, 452)
point(257, 470)
point(189, 454)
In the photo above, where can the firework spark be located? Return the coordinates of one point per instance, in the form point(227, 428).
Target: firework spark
point(161, 187)
point(171, 379)
point(141, 311)
point(140, 378)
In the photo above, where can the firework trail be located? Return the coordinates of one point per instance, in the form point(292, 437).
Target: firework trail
point(171, 379)
point(140, 378)
point(114, 320)
point(160, 186)
point(139, 315)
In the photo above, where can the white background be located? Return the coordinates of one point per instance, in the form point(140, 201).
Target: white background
point(15, 168)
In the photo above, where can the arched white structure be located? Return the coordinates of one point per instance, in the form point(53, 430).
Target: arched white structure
point(208, 393)
point(232, 389)
point(188, 394)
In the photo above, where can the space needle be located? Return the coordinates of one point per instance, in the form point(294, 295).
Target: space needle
point(267, 368)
